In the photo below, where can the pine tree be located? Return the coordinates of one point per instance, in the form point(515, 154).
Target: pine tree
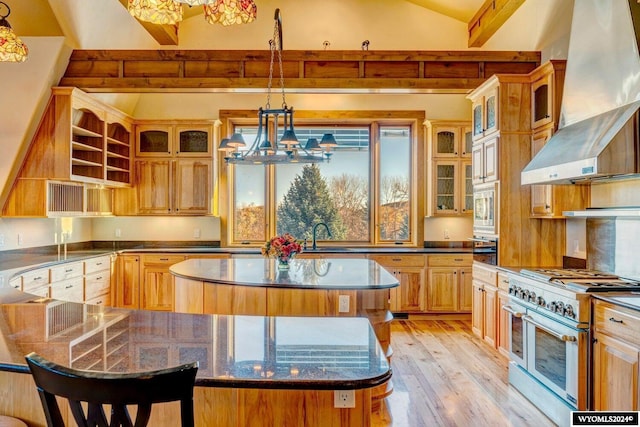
point(307, 203)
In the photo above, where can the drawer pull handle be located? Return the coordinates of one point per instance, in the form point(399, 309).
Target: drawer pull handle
point(614, 320)
point(458, 259)
point(69, 270)
point(68, 287)
point(164, 259)
point(98, 263)
point(37, 278)
point(396, 259)
point(98, 302)
point(99, 278)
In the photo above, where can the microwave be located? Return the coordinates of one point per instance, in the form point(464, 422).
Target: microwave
point(485, 209)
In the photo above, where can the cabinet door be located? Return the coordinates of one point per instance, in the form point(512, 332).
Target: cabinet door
point(127, 286)
point(615, 375)
point(157, 287)
point(490, 315)
point(477, 312)
point(465, 290)
point(446, 141)
point(193, 187)
point(466, 142)
point(504, 333)
point(154, 140)
point(410, 293)
point(442, 290)
point(446, 179)
point(154, 178)
point(490, 159)
point(491, 113)
point(477, 122)
point(542, 101)
point(477, 161)
point(193, 141)
point(466, 187)
point(541, 195)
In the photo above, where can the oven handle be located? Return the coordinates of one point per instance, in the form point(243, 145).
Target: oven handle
point(561, 337)
point(510, 310)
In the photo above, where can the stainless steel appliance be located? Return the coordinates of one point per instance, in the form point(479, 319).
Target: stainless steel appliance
point(485, 209)
point(485, 249)
point(550, 312)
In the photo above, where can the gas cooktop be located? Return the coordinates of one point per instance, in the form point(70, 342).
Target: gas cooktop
point(562, 274)
point(582, 279)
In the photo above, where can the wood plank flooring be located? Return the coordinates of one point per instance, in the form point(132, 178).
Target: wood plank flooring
point(444, 376)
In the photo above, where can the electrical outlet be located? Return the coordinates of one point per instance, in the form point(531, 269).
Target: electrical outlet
point(118, 232)
point(196, 233)
point(343, 304)
point(446, 234)
point(344, 399)
point(20, 240)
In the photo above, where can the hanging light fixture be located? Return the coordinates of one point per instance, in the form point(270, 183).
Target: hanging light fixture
point(12, 49)
point(229, 12)
point(164, 12)
point(196, 2)
point(288, 149)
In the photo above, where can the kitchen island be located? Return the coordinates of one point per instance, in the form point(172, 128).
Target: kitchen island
point(254, 370)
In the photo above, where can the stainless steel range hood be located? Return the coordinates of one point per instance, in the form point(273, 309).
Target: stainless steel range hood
point(598, 136)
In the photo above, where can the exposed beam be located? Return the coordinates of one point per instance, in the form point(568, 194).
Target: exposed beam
point(164, 34)
point(489, 18)
point(228, 70)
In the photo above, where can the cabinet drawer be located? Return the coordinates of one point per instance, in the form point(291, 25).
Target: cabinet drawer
point(162, 259)
point(42, 291)
point(16, 283)
point(100, 300)
point(66, 271)
point(68, 290)
point(617, 321)
point(35, 279)
point(399, 260)
point(460, 260)
point(485, 274)
point(503, 281)
point(97, 284)
point(97, 264)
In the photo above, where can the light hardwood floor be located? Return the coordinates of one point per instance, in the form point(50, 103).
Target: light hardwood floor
point(444, 376)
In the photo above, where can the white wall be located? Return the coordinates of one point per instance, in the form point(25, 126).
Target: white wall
point(34, 232)
point(156, 228)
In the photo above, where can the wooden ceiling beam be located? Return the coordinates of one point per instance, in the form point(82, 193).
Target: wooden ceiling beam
point(489, 18)
point(166, 35)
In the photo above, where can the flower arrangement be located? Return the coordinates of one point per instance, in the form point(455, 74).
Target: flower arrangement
point(282, 247)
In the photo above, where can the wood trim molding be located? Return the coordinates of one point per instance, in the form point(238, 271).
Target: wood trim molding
point(489, 18)
point(226, 70)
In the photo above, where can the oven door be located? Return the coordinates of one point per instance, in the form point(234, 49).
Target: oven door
point(518, 333)
point(557, 357)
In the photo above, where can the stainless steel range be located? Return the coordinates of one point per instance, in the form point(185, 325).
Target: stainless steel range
point(550, 313)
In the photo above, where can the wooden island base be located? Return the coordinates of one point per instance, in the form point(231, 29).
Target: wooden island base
point(220, 407)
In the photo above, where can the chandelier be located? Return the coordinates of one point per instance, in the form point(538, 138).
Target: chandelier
point(12, 49)
point(169, 12)
point(287, 149)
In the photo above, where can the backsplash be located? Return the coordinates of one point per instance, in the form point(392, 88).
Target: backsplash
point(613, 245)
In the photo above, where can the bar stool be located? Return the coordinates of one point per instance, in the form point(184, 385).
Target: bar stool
point(141, 389)
point(6, 421)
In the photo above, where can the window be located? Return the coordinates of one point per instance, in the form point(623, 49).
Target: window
point(366, 193)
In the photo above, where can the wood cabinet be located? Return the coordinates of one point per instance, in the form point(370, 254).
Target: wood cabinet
point(78, 139)
point(485, 160)
point(616, 357)
point(448, 288)
point(157, 283)
point(484, 112)
point(450, 188)
point(127, 286)
point(484, 318)
point(180, 187)
point(410, 272)
point(547, 85)
point(174, 139)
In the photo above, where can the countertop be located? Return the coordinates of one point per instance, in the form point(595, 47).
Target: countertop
point(626, 299)
point(334, 273)
point(232, 351)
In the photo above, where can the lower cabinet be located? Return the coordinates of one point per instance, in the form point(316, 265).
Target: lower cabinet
point(616, 356)
point(409, 297)
point(127, 285)
point(449, 284)
point(157, 283)
point(487, 318)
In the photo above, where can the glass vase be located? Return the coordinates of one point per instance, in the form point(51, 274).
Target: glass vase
point(283, 264)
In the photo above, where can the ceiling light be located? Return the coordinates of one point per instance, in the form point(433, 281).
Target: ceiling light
point(288, 149)
point(164, 12)
point(196, 2)
point(12, 49)
point(229, 12)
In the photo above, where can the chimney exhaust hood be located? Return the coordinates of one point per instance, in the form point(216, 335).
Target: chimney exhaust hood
point(599, 121)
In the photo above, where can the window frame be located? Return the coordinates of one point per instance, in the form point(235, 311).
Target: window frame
point(374, 120)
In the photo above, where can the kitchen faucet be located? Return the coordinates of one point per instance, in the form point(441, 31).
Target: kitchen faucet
point(315, 228)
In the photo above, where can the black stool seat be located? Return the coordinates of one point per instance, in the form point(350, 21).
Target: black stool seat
point(118, 390)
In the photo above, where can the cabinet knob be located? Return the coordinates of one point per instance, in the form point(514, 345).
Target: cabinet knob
point(455, 152)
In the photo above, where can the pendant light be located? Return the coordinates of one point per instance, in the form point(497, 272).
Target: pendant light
point(164, 12)
point(229, 12)
point(12, 49)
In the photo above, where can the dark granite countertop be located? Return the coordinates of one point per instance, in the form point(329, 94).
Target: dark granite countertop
point(334, 273)
point(233, 351)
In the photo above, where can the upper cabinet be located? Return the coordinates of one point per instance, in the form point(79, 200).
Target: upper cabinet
point(485, 111)
point(450, 187)
point(547, 83)
point(174, 140)
point(79, 140)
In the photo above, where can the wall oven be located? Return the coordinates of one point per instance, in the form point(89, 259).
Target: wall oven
point(485, 209)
